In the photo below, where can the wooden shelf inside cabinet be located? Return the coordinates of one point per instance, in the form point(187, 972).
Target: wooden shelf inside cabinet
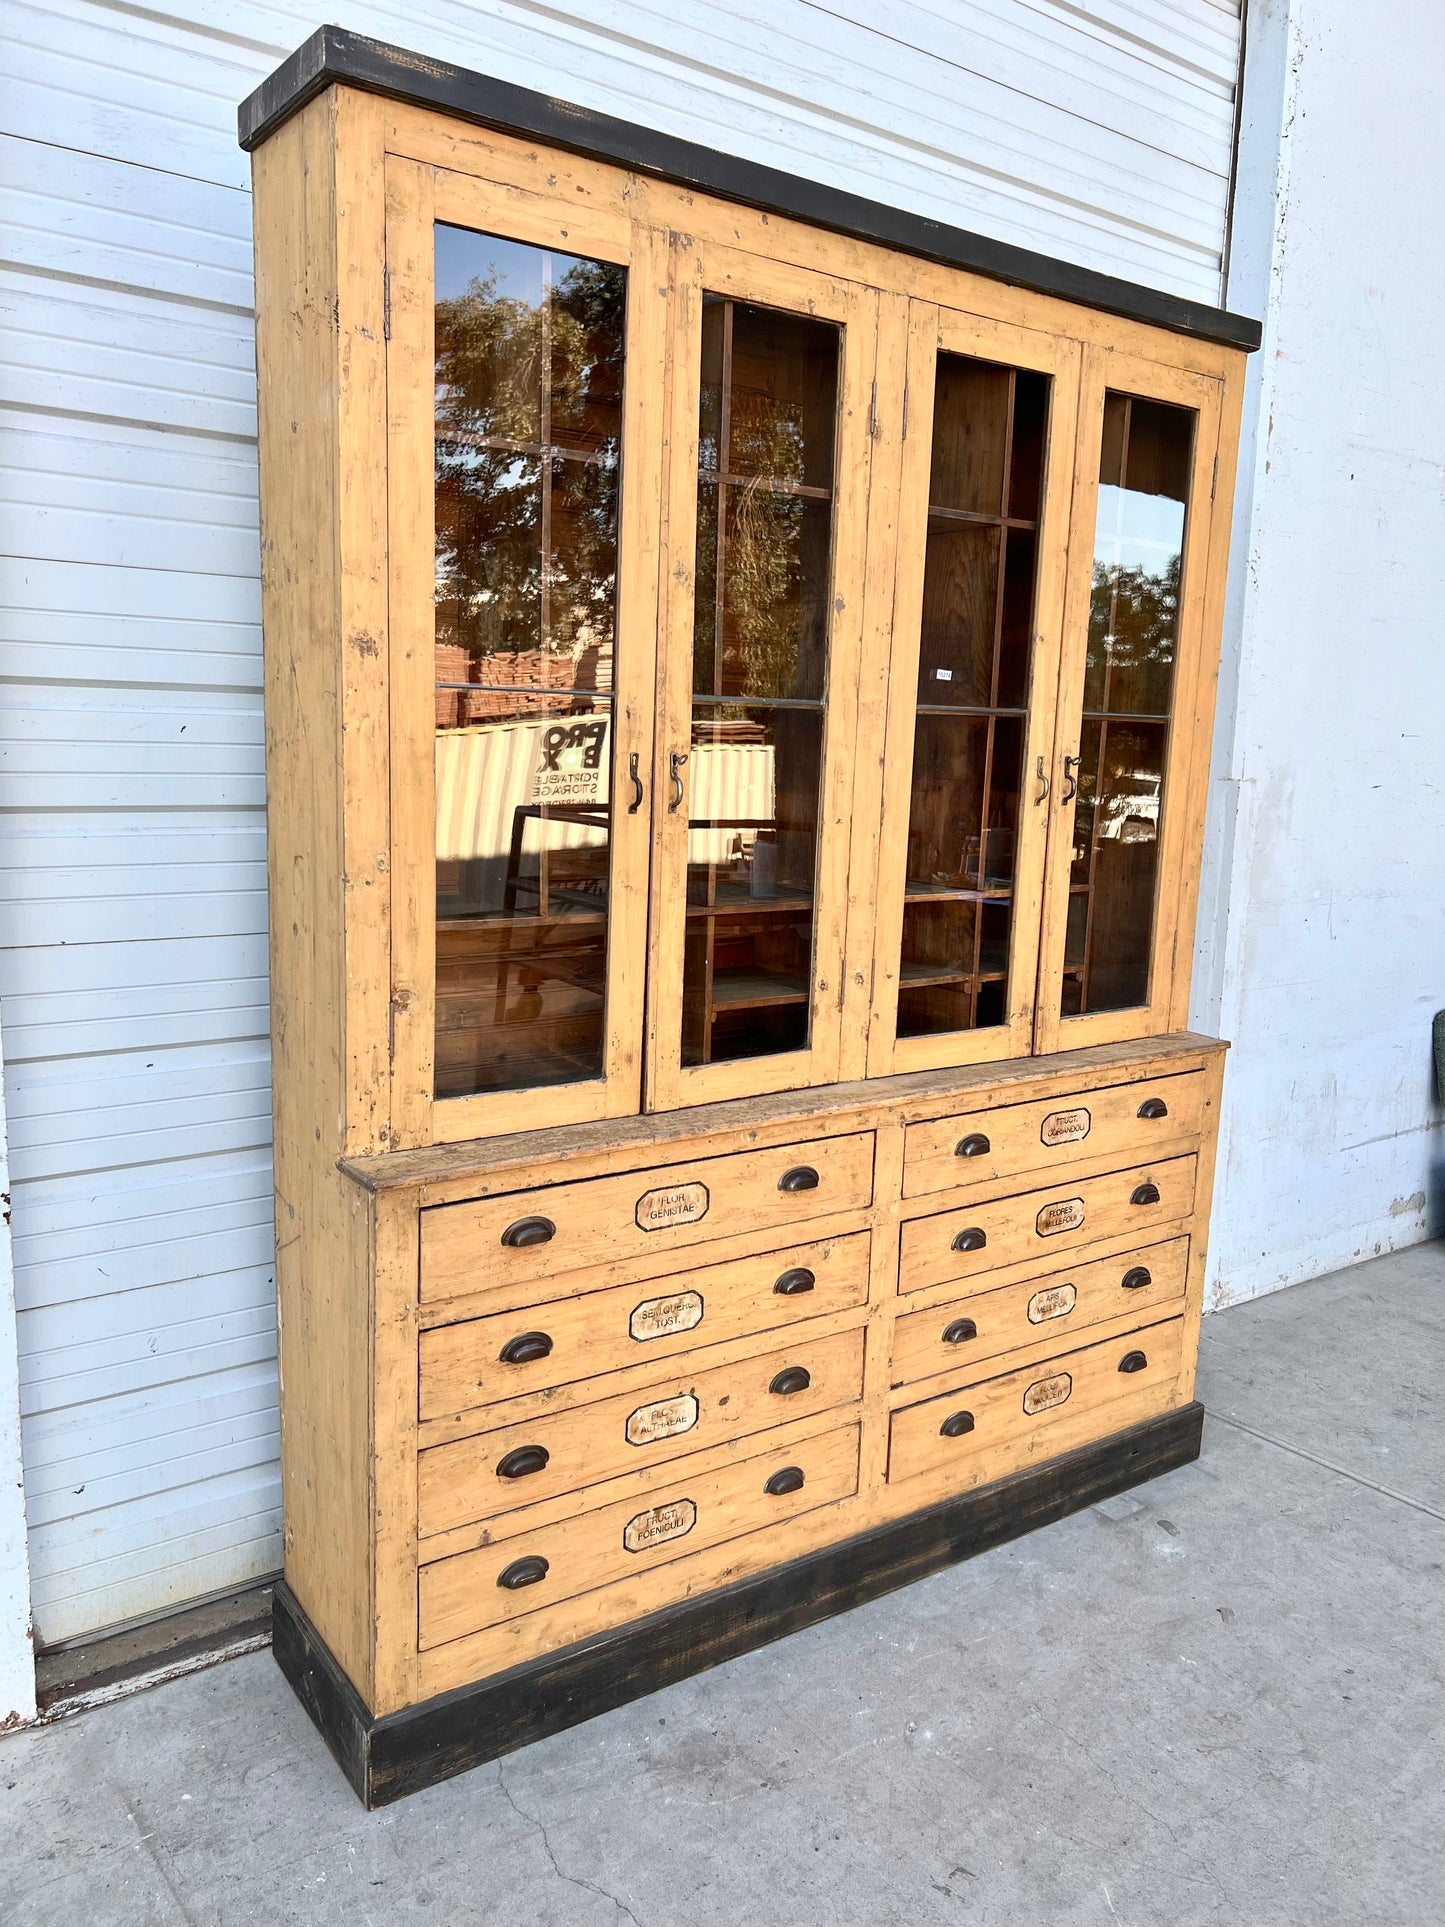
point(732, 990)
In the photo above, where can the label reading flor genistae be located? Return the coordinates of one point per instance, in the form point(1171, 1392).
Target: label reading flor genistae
point(1054, 1301)
point(672, 1204)
point(659, 1524)
point(661, 1317)
point(1065, 1127)
point(1066, 1215)
point(1047, 1393)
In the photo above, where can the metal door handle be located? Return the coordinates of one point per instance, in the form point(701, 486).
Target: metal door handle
point(1043, 795)
point(1071, 777)
point(676, 762)
point(636, 804)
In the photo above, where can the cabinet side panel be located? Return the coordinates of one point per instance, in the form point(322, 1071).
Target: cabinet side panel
point(322, 1275)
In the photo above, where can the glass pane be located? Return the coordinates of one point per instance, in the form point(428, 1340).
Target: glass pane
point(1148, 450)
point(760, 637)
point(980, 569)
point(529, 347)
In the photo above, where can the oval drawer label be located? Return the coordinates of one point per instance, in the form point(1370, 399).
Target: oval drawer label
point(660, 1317)
point(1055, 1301)
point(1045, 1393)
point(1066, 1215)
point(662, 1420)
point(672, 1204)
point(659, 1524)
point(1065, 1127)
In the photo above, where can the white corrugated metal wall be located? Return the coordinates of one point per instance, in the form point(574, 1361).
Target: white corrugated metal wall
point(131, 856)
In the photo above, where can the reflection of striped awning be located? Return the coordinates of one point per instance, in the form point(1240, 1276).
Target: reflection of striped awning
point(483, 776)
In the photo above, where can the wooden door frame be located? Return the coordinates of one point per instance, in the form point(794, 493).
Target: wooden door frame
point(935, 330)
point(1181, 803)
point(417, 196)
point(697, 267)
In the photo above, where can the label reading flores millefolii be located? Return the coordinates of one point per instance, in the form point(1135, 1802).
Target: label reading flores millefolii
point(672, 1204)
point(659, 1524)
point(1054, 1301)
point(1046, 1393)
point(664, 1419)
point(1065, 1127)
point(1066, 1215)
point(661, 1317)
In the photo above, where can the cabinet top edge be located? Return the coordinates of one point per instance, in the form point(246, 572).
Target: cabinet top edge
point(336, 56)
point(815, 1109)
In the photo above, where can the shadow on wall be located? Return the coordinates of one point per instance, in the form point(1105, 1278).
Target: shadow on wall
point(1435, 1207)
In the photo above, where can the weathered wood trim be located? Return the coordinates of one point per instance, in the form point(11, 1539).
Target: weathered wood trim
point(335, 55)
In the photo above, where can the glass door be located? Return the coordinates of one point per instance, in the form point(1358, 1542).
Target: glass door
point(771, 377)
point(1133, 706)
point(983, 518)
point(520, 697)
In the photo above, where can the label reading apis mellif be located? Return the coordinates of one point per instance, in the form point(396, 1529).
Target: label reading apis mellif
point(1045, 1393)
point(659, 1524)
point(1066, 1215)
point(1054, 1301)
point(661, 1317)
point(672, 1204)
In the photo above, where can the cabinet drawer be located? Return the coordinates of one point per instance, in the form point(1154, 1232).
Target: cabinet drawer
point(468, 1365)
point(524, 1570)
point(461, 1483)
point(974, 1239)
point(982, 1324)
point(1122, 1380)
point(540, 1234)
point(1016, 1140)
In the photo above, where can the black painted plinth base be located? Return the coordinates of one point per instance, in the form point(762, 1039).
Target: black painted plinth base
point(403, 1752)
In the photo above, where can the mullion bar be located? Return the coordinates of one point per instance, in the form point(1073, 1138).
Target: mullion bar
point(546, 453)
point(768, 483)
point(528, 689)
point(724, 451)
point(506, 445)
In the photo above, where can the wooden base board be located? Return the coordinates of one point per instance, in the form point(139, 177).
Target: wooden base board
point(401, 1753)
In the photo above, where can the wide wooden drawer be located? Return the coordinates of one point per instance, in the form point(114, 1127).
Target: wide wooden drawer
point(982, 1324)
point(1121, 1380)
point(550, 1452)
point(1016, 1140)
point(506, 1353)
point(540, 1234)
point(974, 1239)
point(525, 1568)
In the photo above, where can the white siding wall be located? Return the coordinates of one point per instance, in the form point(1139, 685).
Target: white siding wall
point(1324, 957)
point(131, 862)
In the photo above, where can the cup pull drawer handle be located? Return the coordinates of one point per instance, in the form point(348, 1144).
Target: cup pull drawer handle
point(522, 1572)
point(1136, 1278)
point(973, 1239)
point(793, 1283)
point(525, 1348)
point(529, 1231)
point(802, 1177)
point(1153, 1107)
point(796, 1378)
point(960, 1331)
point(790, 1479)
point(1145, 1194)
point(975, 1145)
point(955, 1425)
point(526, 1459)
point(1133, 1362)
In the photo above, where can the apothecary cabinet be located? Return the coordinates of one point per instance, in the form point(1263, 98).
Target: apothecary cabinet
point(739, 682)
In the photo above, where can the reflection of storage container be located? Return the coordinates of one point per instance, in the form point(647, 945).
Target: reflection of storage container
point(571, 1070)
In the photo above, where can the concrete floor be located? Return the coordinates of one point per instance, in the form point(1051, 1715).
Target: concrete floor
point(1217, 1699)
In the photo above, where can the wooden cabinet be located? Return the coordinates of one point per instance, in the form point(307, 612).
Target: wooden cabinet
point(739, 684)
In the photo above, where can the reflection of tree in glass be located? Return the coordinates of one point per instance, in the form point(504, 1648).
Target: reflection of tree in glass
point(491, 364)
point(1133, 626)
point(777, 571)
